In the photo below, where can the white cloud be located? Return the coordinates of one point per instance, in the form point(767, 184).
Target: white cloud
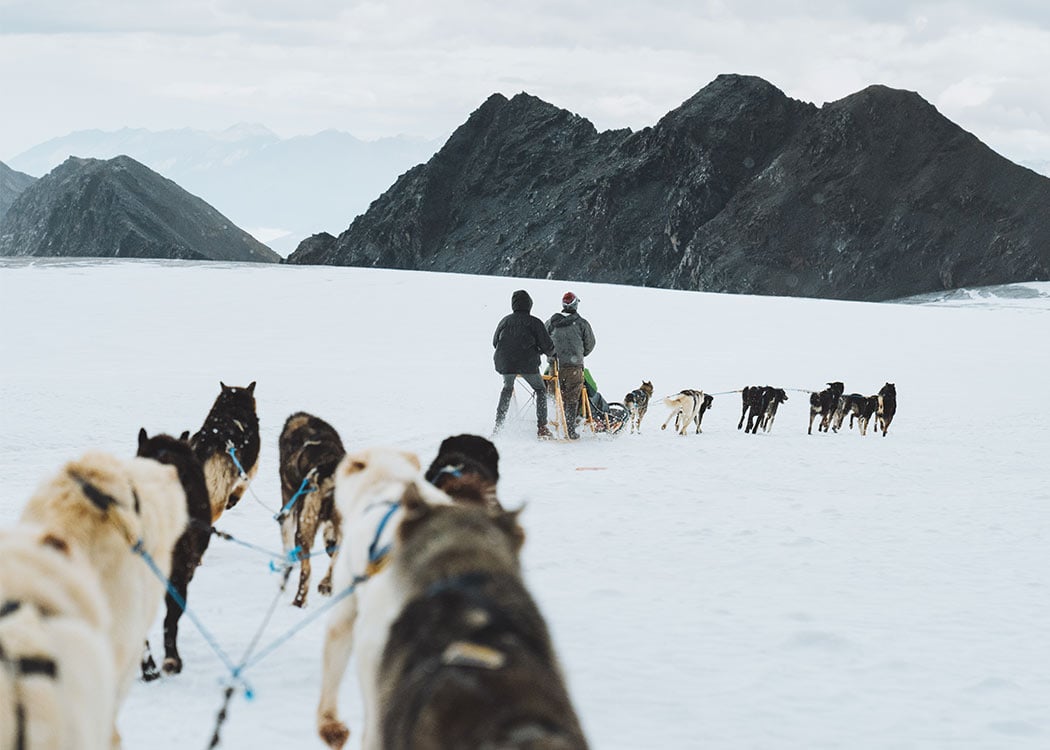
point(409, 66)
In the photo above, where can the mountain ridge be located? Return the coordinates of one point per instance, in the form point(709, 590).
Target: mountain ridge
point(739, 189)
point(120, 208)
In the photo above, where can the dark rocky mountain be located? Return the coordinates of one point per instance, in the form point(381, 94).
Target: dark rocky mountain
point(740, 189)
point(12, 183)
point(119, 208)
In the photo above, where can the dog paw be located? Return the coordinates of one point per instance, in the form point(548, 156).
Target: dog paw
point(299, 601)
point(334, 733)
point(325, 588)
point(150, 673)
point(172, 665)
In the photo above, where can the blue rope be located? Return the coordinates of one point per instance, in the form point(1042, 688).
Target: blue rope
point(287, 635)
point(374, 555)
point(232, 450)
point(140, 550)
point(299, 493)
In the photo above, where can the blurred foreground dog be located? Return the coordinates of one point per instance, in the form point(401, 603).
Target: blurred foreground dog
point(106, 506)
point(369, 488)
point(469, 661)
point(57, 682)
point(466, 467)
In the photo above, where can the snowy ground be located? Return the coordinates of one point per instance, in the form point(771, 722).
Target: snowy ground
point(718, 590)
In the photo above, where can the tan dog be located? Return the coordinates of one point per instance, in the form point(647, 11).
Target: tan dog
point(57, 685)
point(469, 661)
point(369, 485)
point(103, 505)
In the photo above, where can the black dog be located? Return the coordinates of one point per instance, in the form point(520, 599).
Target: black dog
point(310, 449)
point(887, 407)
point(231, 425)
point(825, 403)
point(466, 456)
point(760, 405)
point(190, 547)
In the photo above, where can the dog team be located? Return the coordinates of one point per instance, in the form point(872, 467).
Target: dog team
point(450, 647)
point(760, 404)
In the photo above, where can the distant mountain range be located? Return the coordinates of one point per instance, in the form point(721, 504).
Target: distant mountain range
point(119, 208)
point(740, 189)
point(281, 190)
point(12, 183)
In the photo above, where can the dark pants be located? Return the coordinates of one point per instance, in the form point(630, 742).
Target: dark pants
point(570, 379)
point(535, 380)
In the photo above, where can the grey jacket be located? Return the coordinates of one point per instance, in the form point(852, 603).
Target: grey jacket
point(573, 337)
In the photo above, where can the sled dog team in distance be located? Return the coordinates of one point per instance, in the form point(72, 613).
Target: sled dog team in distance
point(566, 338)
point(424, 574)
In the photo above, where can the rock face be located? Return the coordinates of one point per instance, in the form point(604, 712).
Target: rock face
point(12, 184)
point(119, 208)
point(740, 189)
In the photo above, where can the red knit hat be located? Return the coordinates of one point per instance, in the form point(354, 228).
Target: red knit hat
point(570, 300)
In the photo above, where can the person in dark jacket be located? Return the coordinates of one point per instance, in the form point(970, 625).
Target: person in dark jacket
point(573, 340)
point(519, 340)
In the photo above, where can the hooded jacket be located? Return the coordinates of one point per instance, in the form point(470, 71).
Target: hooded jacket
point(572, 335)
point(520, 338)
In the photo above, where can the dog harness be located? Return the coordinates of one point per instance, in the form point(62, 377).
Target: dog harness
point(378, 556)
point(23, 666)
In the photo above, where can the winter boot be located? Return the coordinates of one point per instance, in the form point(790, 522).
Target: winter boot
point(543, 432)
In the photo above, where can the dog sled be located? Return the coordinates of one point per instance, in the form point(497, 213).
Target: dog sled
point(595, 413)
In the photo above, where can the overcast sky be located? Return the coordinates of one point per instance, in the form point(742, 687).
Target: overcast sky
point(420, 67)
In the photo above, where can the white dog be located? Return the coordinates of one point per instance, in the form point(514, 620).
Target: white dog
point(368, 488)
point(103, 505)
point(56, 663)
point(686, 405)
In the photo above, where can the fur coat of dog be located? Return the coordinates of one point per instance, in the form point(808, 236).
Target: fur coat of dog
point(232, 422)
point(57, 681)
point(190, 547)
point(370, 486)
point(469, 661)
point(310, 450)
point(104, 506)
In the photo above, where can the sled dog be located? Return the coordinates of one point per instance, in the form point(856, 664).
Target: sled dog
point(190, 547)
point(825, 403)
point(469, 661)
point(369, 487)
point(685, 408)
point(106, 506)
point(464, 465)
point(637, 403)
point(231, 424)
point(57, 685)
point(887, 407)
point(309, 449)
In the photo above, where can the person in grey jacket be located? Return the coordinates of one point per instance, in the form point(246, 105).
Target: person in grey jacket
point(519, 340)
point(573, 340)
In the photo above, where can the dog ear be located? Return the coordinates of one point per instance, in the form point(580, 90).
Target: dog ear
point(143, 438)
point(185, 436)
point(223, 386)
point(413, 505)
point(507, 521)
point(352, 465)
point(413, 459)
point(251, 388)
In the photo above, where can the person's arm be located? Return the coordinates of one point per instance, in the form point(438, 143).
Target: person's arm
point(544, 342)
point(588, 339)
point(498, 333)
